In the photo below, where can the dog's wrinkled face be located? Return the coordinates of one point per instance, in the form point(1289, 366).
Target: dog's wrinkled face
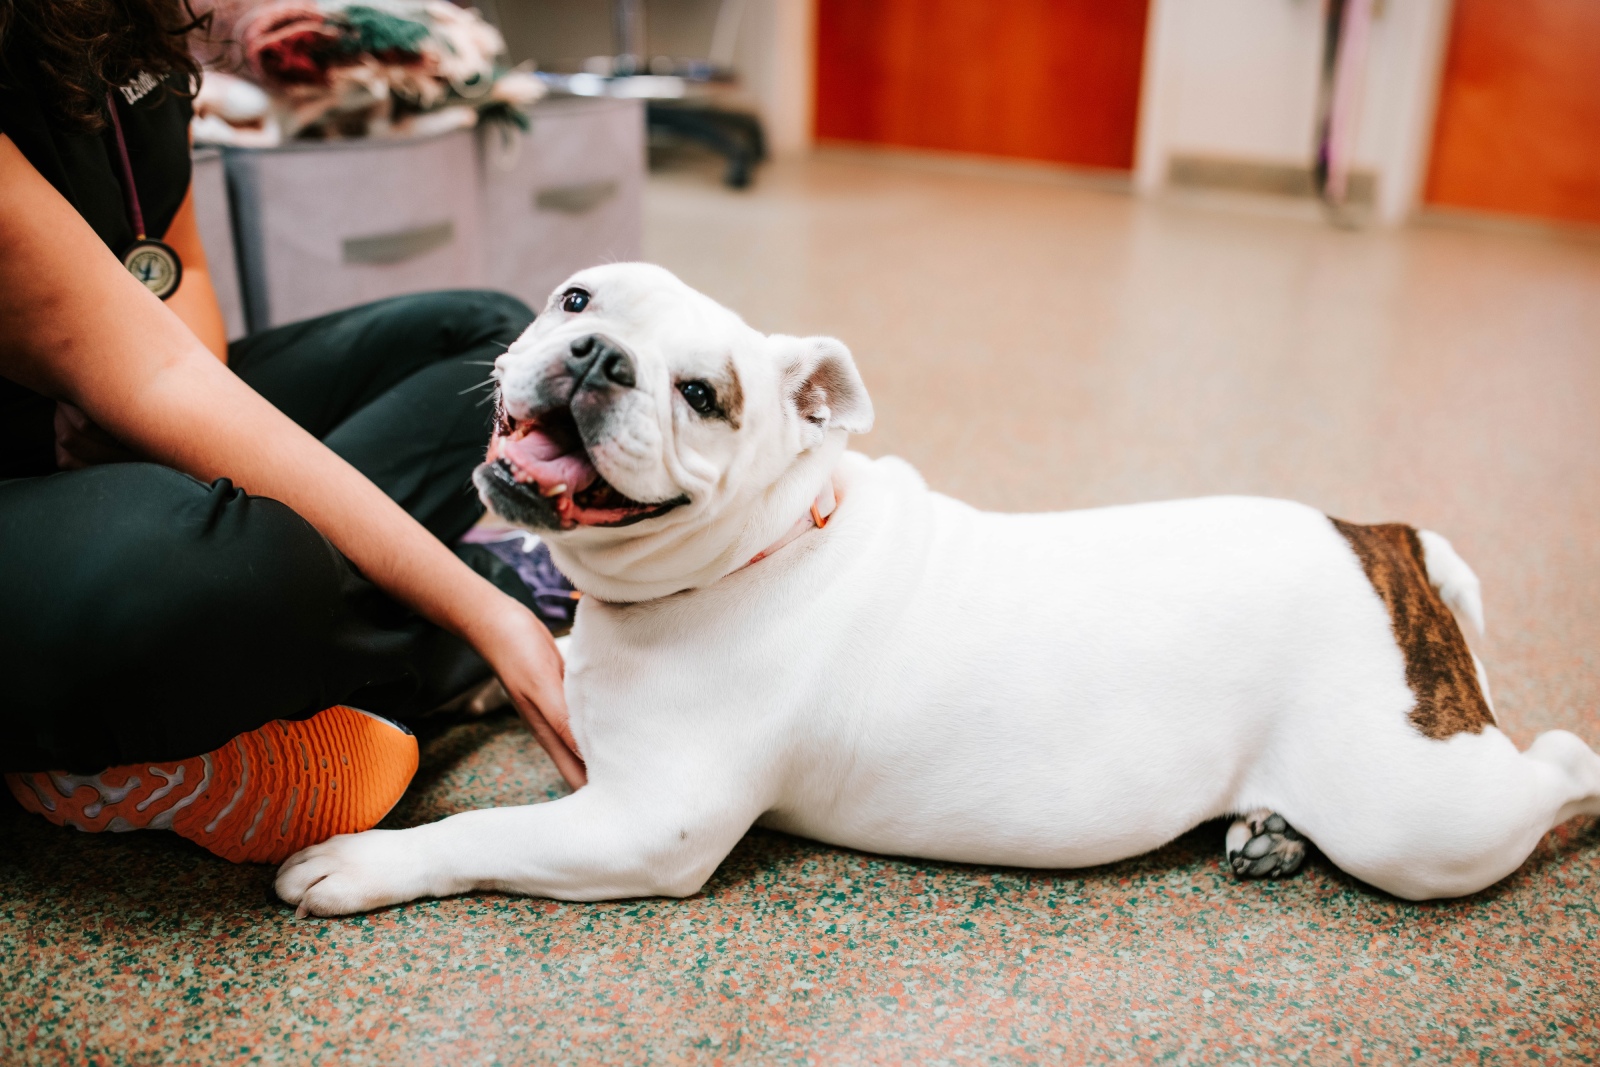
point(636, 411)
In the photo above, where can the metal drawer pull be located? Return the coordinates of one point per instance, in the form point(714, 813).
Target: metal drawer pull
point(398, 247)
point(574, 199)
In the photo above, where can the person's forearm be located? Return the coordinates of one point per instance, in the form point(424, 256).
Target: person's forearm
point(194, 414)
point(198, 417)
point(195, 303)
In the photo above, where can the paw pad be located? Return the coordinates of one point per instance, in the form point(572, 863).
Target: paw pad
point(1264, 845)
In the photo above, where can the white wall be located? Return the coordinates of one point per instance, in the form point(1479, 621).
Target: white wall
point(1229, 78)
point(776, 60)
point(774, 53)
point(1402, 89)
point(1238, 80)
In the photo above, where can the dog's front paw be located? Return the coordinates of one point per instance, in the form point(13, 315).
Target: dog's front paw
point(350, 873)
point(1262, 844)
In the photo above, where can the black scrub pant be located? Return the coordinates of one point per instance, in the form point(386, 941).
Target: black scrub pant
point(147, 616)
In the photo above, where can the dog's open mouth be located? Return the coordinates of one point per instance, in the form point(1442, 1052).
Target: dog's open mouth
point(542, 461)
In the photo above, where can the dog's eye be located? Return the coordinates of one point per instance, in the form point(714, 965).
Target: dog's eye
point(700, 396)
point(574, 300)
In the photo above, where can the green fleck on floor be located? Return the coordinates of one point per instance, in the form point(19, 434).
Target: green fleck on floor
point(1029, 345)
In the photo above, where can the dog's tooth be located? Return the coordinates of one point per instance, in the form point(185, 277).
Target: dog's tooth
point(555, 490)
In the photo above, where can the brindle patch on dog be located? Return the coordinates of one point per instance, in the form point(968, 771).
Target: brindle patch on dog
point(1439, 667)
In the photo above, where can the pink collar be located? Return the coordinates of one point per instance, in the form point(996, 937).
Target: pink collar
point(821, 511)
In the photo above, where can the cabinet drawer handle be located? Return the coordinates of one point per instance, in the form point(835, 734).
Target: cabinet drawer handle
point(400, 246)
point(574, 199)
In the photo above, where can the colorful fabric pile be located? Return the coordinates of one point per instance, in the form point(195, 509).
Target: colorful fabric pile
point(373, 68)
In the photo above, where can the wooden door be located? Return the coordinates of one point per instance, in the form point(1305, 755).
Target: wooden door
point(1054, 80)
point(1518, 128)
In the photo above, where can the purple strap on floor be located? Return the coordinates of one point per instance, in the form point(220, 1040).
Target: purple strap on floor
point(553, 598)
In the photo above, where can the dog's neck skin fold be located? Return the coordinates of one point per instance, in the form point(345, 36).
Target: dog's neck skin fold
point(689, 549)
point(815, 518)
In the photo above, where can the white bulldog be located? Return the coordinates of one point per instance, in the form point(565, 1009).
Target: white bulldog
point(779, 631)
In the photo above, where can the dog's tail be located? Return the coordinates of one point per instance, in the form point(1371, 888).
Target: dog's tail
point(1458, 587)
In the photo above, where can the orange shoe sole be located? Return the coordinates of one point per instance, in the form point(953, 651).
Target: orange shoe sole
point(260, 798)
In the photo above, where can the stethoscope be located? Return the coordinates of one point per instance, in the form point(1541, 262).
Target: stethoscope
point(155, 264)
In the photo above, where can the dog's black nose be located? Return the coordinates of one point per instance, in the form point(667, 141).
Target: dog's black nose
point(595, 352)
point(619, 368)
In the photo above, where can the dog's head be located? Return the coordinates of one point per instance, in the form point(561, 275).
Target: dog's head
point(655, 440)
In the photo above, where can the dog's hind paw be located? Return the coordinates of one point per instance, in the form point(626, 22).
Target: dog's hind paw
point(1262, 844)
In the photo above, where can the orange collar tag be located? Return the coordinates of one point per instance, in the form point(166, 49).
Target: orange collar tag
point(821, 511)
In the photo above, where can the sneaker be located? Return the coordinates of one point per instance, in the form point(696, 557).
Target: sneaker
point(554, 599)
point(260, 798)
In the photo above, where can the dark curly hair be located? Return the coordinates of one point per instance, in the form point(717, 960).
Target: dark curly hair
point(80, 48)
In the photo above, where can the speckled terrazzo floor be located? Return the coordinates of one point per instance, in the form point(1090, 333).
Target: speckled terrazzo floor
point(1028, 345)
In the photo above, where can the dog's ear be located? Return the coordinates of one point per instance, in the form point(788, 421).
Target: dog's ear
point(824, 386)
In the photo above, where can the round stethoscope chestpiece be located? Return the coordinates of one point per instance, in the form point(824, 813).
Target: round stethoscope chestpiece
point(155, 265)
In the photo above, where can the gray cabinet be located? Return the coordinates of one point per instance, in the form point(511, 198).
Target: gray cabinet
point(324, 226)
point(211, 214)
point(321, 226)
point(565, 195)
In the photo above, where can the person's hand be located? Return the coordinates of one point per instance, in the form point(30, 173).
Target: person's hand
point(524, 656)
point(80, 443)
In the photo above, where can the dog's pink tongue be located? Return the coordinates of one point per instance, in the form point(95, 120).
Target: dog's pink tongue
point(534, 457)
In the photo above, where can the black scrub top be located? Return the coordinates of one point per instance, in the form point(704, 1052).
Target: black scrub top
point(85, 169)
